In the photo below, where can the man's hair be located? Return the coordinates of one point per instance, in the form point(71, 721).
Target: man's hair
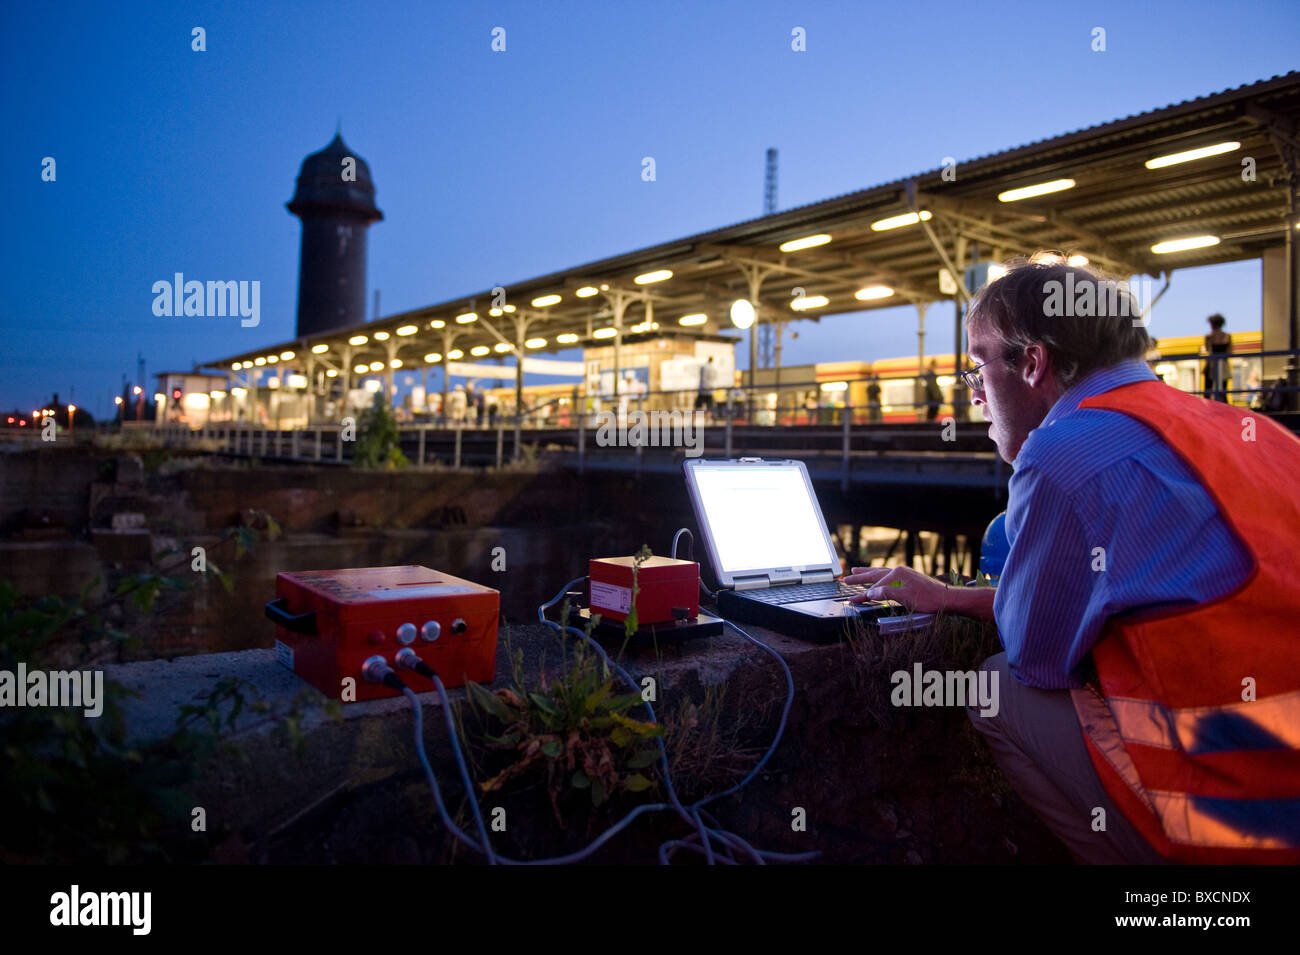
point(1083, 318)
point(1216, 320)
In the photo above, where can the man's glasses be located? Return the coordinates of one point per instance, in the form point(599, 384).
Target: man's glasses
point(975, 378)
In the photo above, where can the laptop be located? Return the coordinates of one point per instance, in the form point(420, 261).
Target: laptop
point(770, 549)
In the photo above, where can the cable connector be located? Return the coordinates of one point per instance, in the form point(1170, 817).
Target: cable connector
point(408, 659)
point(377, 670)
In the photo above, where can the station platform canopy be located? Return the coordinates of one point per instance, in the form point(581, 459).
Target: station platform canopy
point(1212, 175)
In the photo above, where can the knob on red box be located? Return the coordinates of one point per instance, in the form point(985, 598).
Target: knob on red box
point(329, 622)
point(662, 584)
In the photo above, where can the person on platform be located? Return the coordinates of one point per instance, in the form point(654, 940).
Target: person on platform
point(1150, 684)
point(1218, 345)
point(704, 397)
point(874, 414)
point(933, 393)
point(457, 402)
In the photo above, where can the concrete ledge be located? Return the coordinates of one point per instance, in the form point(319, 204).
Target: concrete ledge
point(923, 791)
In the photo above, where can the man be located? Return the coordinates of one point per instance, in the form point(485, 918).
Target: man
point(1150, 684)
point(704, 397)
point(933, 393)
point(873, 399)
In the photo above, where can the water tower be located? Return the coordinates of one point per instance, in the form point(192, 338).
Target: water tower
point(335, 200)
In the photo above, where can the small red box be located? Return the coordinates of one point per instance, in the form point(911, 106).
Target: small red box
point(662, 584)
point(328, 622)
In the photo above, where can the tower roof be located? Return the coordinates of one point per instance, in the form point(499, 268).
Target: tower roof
point(322, 187)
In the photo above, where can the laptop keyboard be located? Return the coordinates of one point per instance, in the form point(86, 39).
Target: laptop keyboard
point(798, 593)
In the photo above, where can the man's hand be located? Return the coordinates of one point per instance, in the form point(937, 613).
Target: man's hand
point(911, 588)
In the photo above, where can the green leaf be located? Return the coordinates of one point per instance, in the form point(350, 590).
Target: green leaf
point(552, 749)
point(636, 783)
point(489, 702)
point(643, 758)
point(598, 697)
point(544, 703)
point(579, 780)
point(597, 792)
point(620, 736)
point(620, 703)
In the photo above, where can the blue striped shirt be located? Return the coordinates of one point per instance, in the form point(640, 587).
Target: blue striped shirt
point(1086, 479)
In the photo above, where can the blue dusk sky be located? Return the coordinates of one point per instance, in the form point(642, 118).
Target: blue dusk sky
point(492, 168)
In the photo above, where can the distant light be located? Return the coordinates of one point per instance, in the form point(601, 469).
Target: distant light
point(358, 340)
point(218, 393)
point(587, 291)
point(237, 366)
point(568, 338)
point(1165, 368)
point(239, 392)
point(502, 347)
point(1040, 189)
point(286, 356)
point(604, 333)
point(361, 369)
point(159, 396)
point(407, 330)
point(432, 357)
point(437, 323)
point(544, 301)
point(372, 385)
point(1174, 158)
point(509, 308)
point(455, 353)
point(897, 222)
point(272, 359)
point(872, 292)
point(494, 312)
point(696, 318)
point(137, 390)
point(742, 313)
point(376, 366)
point(535, 343)
point(331, 373)
point(319, 349)
point(1077, 261)
point(395, 363)
point(464, 318)
point(640, 327)
point(272, 382)
point(809, 301)
point(649, 278)
point(381, 336)
point(1182, 245)
point(117, 400)
point(807, 242)
point(479, 351)
point(835, 386)
point(945, 381)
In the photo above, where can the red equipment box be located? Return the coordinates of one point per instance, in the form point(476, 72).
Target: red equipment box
point(329, 622)
point(662, 584)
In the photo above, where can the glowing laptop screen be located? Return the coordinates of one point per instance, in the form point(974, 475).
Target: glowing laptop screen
point(762, 517)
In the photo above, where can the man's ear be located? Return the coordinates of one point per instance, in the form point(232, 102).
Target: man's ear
point(1035, 364)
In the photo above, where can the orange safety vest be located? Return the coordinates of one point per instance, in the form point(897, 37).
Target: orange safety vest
point(1196, 729)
